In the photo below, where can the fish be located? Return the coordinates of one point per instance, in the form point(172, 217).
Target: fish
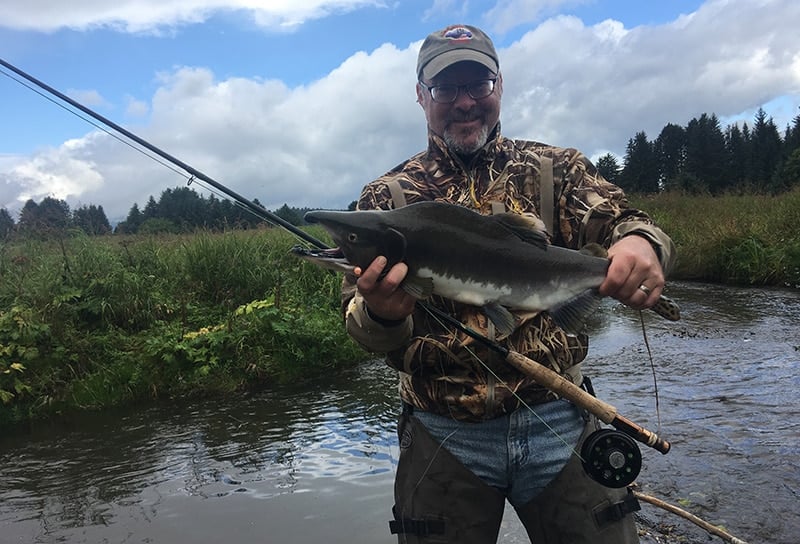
point(501, 262)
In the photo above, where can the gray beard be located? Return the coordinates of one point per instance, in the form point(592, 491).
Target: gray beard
point(460, 148)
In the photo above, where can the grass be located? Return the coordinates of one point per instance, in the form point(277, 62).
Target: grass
point(93, 322)
point(741, 239)
point(88, 323)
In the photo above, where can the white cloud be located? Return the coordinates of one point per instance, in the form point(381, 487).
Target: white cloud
point(59, 173)
point(151, 15)
point(508, 14)
point(311, 145)
point(91, 98)
point(590, 87)
point(136, 108)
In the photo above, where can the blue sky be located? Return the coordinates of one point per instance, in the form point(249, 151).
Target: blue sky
point(303, 102)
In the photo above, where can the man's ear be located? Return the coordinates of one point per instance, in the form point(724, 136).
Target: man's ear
point(419, 94)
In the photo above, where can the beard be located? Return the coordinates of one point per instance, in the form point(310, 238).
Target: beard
point(466, 144)
point(461, 146)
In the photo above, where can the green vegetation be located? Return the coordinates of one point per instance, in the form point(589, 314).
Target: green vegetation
point(89, 319)
point(743, 239)
point(90, 322)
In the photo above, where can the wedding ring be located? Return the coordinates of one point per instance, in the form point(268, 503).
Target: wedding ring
point(645, 289)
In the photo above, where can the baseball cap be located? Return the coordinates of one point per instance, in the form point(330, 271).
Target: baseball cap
point(453, 44)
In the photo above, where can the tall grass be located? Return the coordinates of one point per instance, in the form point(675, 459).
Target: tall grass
point(92, 322)
point(744, 239)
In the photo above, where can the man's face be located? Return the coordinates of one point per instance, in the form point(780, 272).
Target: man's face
point(466, 123)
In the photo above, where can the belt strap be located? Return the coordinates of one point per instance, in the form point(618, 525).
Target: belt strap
point(619, 510)
point(420, 527)
point(547, 194)
point(398, 195)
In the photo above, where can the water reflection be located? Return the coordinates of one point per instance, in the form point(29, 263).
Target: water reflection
point(315, 462)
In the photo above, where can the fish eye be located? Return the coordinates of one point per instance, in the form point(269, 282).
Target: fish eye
point(352, 237)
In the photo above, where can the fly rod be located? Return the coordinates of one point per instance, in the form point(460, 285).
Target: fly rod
point(259, 211)
point(556, 383)
point(605, 412)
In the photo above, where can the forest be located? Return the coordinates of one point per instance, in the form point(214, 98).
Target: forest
point(698, 158)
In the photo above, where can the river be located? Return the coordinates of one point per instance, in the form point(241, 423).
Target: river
point(315, 463)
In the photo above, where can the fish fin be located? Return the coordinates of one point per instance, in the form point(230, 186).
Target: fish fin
point(594, 250)
point(571, 315)
point(667, 308)
point(394, 246)
point(525, 228)
point(503, 320)
point(420, 288)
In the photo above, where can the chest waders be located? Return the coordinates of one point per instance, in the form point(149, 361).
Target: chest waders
point(439, 500)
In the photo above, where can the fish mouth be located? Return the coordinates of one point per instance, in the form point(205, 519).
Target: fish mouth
point(332, 258)
point(328, 253)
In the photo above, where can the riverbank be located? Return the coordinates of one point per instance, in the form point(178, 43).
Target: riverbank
point(87, 323)
point(740, 239)
point(92, 323)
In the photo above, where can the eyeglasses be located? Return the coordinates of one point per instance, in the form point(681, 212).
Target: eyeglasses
point(447, 94)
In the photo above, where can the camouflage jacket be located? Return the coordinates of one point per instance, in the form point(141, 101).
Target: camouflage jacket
point(439, 370)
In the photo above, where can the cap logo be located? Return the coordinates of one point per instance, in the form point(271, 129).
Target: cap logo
point(458, 33)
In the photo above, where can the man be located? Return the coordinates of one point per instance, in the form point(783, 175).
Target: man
point(475, 432)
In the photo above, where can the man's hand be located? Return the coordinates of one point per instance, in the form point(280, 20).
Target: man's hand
point(634, 276)
point(385, 299)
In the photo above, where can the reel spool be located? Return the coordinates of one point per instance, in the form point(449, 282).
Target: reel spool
point(611, 458)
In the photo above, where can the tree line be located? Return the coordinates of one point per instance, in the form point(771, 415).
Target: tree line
point(700, 157)
point(177, 210)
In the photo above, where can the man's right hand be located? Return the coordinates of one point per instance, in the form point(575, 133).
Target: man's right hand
point(384, 297)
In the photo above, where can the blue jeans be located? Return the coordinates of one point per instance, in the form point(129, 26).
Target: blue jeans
point(519, 453)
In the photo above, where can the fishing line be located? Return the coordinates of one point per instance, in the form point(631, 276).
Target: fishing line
point(653, 369)
point(436, 314)
point(140, 149)
point(94, 124)
point(256, 209)
point(430, 463)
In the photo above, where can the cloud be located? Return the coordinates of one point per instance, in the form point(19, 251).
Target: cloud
point(152, 15)
point(60, 173)
point(566, 83)
point(91, 98)
point(311, 145)
point(136, 108)
point(596, 86)
point(508, 14)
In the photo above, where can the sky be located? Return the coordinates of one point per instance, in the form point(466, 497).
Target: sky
point(302, 102)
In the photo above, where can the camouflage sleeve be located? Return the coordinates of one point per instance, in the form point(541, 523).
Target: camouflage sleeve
point(369, 334)
point(595, 210)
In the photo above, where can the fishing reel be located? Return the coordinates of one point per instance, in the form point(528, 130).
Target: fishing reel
point(611, 458)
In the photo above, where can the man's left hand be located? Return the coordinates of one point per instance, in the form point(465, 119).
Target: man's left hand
point(635, 276)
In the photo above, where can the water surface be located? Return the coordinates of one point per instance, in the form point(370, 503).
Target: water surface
point(316, 463)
